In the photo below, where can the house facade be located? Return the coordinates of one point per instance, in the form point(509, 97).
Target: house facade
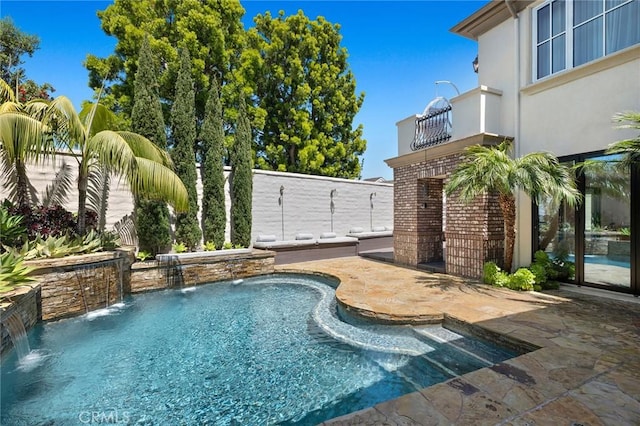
point(552, 74)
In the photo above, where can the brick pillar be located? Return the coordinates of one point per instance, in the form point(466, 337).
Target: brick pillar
point(430, 220)
point(405, 204)
point(475, 235)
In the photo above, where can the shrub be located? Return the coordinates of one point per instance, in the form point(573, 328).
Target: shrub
point(179, 247)
point(539, 272)
point(502, 279)
point(51, 221)
point(11, 229)
point(143, 255)
point(522, 279)
point(110, 240)
point(490, 272)
point(12, 271)
point(209, 246)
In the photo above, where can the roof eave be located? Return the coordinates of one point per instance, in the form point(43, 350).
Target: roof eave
point(488, 16)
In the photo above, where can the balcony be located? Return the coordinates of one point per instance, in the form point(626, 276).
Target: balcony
point(477, 111)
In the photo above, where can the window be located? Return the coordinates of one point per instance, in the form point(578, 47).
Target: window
point(569, 33)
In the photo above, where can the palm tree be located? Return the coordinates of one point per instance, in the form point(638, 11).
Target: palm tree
point(23, 138)
point(146, 168)
point(629, 148)
point(492, 170)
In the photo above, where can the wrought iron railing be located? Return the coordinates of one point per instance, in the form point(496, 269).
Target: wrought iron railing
point(432, 128)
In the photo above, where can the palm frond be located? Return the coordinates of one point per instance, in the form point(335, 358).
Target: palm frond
point(62, 116)
point(143, 147)
point(112, 151)
point(11, 106)
point(630, 120)
point(58, 190)
point(96, 118)
point(98, 193)
point(6, 92)
point(22, 136)
point(155, 181)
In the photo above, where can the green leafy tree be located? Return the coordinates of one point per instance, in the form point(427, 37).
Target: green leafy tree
point(490, 169)
point(211, 29)
point(214, 216)
point(14, 45)
point(183, 134)
point(308, 93)
point(152, 216)
point(241, 180)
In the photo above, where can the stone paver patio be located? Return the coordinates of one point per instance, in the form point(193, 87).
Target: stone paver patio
point(586, 372)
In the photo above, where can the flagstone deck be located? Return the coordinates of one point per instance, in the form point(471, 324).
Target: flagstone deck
point(586, 372)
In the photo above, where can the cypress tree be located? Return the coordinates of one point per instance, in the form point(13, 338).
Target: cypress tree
point(214, 217)
point(152, 217)
point(241, 179)
point(183, 135)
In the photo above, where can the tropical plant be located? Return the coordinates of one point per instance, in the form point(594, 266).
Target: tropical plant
point(179, 247)
point(241, 180)
point(490, 169)
point(13, 272)
point(214, 215)
point(628, 148)
point(209, 246)
point(12, 231)
point(145, 167)
point(522, 280)
point(143, 255)
point(109, 240)
point(23, 138)
point(183, 135)
point(227, 245)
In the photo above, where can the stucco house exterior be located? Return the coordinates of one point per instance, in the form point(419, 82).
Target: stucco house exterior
point(552, 74)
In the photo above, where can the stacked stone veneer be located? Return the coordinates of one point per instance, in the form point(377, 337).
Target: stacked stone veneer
point(473, 232)
point(23, 301)
point(195, 270)
point(75, 285)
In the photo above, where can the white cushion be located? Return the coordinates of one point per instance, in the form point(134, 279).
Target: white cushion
point(266, 238)
point(328, 235)
point(304, 236)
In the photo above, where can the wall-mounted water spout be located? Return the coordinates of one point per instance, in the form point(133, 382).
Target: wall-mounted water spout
point(332, 205)
point(281, 203)
point(17, 334)
point(371, 197)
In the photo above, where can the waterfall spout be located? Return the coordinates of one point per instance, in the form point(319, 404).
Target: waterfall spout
point(18, 335)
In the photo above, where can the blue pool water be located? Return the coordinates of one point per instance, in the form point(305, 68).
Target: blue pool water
point(602, 260)
point(269, 350)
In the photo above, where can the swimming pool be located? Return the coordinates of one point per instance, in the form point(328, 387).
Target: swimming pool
point(268, 350)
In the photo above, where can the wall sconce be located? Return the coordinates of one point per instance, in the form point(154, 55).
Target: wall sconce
point(281, 204)
point(476, 65)
point(371, 196)
point(332, 205)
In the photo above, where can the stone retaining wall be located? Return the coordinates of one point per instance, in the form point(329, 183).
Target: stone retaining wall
point(195, 270)
point(25, 302)
point(74, 285)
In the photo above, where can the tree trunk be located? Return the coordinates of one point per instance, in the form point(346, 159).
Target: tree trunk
point(508, 207)
point(83, 180)
point(22, 188)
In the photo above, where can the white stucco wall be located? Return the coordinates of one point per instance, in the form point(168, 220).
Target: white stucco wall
point(306, 201)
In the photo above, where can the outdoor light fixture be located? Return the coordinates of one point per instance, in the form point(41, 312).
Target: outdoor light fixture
point(475, 64)
point(332, 205)
point(281, 203)
point(373, 194)
point(447, 82)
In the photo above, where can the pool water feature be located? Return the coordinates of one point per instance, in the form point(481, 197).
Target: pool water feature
point(267, 350)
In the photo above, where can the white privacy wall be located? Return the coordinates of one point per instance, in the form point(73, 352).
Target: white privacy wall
point(307, 205)
point(306, 201)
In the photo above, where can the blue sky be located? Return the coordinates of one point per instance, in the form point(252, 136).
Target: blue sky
point(397, 50)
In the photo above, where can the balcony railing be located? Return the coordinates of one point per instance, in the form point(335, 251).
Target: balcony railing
point(432, 129)
point(478, 111)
